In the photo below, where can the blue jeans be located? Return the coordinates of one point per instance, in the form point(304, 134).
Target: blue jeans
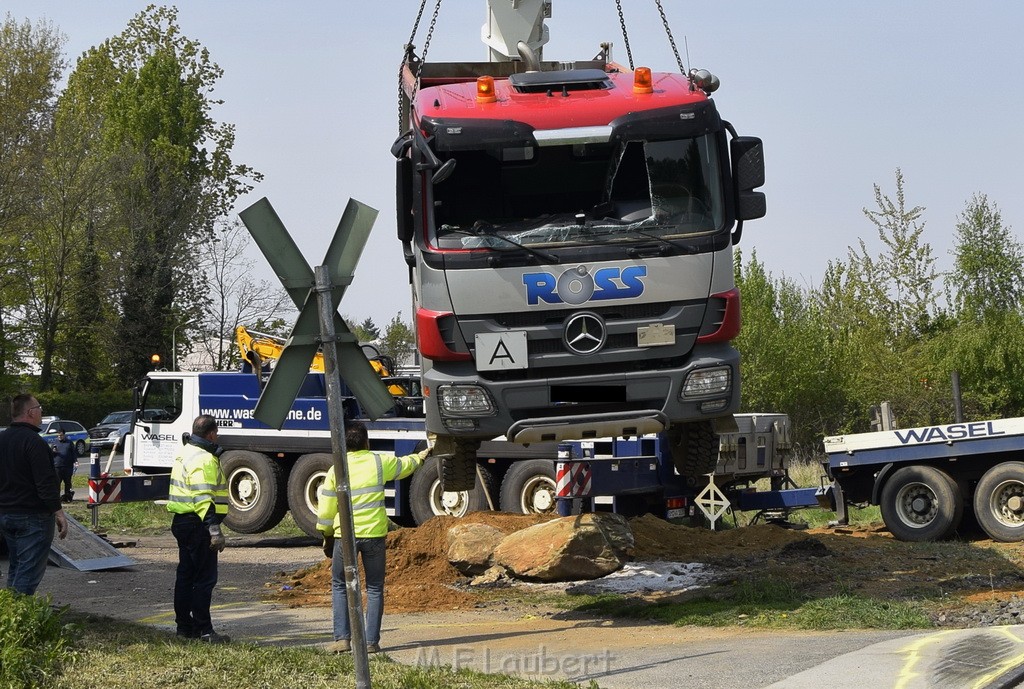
point(373, 552)
point(28, 543)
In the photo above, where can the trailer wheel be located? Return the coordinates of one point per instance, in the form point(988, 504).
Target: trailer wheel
point(999, 502)
point(303, 481)
point(257, 498)
point(921, 503)
point(529, 487)
point(694, 449)
point(427, 499)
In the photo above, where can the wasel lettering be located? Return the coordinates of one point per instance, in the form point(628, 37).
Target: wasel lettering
point(158, 436)
point(577, 286)
point(956, 431)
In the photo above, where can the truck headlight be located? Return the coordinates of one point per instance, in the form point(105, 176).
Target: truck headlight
point(708, 381)
point(464, 400)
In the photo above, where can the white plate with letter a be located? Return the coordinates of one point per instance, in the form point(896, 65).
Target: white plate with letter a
point(500, 351)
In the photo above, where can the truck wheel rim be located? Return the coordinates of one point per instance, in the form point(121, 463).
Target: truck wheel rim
point(538, 496)
point(243, 489)
point(313, 484)
point(917, 505)
point(1006, 503)
point(451, 503)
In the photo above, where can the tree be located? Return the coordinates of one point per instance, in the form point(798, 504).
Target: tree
point(399, 340)
point(172, 174)
point(234, 299)
point(988, 263)
point(900, 281)
point(30, 67)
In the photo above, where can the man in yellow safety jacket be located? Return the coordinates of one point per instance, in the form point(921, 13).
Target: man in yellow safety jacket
point(367, 473)
point(198, 499)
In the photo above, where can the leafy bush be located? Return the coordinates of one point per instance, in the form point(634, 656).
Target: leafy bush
point(33, 642)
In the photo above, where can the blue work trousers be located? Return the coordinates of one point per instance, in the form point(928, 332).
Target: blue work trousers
point(373, 552)
point(196, 576)
point(28, 543)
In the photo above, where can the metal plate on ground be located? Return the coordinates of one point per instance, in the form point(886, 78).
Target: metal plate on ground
point(85, 551)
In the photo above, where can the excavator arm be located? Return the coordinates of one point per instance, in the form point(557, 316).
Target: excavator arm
point(258, 349)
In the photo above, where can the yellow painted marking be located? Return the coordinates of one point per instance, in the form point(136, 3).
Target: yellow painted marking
point(907, 673)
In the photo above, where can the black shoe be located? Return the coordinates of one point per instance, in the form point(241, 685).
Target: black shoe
point(181, 634)
point(214, 638)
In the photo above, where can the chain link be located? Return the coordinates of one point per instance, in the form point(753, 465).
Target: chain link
point(409, 53)
point(625, 34)
point(671, 40)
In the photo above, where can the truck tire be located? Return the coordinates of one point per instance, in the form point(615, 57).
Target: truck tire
point(257, 498)
point(999, 502)
point(694, 447)
point(458, 468)
point(921, 503)
point(303, 481)
point(529, 487)
point(427, 499)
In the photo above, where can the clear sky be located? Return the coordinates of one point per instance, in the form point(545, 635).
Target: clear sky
point(841, 93)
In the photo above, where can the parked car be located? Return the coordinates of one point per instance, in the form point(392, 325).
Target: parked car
point(114, 427)
point(75, 431)
point(111, 430)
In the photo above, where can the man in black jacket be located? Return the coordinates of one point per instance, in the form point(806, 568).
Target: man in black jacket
point(64, 458)
point(29, 496)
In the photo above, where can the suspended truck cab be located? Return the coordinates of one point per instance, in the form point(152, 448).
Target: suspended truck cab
point(569, 231)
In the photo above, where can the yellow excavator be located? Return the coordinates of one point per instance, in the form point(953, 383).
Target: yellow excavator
point(259, 348)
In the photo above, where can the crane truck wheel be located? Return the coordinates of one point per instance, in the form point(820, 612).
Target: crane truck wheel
point(256, 491)
point(427, 499)
point(529, 487)
point(303, 481)
point(694, 449)
point(921, 503)
point(999, 502)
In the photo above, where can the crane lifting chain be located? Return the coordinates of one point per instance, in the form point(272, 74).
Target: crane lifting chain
point(410, 57)
point(668, 31)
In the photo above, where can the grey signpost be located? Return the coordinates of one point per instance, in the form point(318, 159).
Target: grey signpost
point(317, 295)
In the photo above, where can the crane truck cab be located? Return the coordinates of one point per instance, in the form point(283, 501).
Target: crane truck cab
point(569, 230)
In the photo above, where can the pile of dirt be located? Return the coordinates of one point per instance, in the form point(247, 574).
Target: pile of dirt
point(822, 562)
point(418, 576)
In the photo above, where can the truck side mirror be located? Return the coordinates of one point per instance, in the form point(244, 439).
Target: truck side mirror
point(748, 174)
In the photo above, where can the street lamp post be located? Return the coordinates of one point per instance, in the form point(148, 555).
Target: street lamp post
point(174, 342)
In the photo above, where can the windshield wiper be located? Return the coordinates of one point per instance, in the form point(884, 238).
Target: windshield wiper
point(636, 251)
point(484, 229)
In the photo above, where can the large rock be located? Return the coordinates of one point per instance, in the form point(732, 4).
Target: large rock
point(470, 546)
point(587, 546)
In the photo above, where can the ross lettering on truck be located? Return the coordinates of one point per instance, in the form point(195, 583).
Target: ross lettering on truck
point(956, 431)
point(577, 286)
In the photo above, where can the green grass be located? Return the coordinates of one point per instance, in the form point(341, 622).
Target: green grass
point(33, 641)
point(145, 518)
point(760, 602)
point(57, 649)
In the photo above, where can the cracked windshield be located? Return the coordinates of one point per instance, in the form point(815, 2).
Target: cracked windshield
point(597, 193)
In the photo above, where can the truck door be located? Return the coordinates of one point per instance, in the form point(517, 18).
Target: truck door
point(160, 426)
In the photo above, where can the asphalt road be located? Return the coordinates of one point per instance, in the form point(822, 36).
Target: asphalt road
point(618, 654)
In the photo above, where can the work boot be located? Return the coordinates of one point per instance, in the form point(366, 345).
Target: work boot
point(339, 646)
point(214, 638)
point(373, 648)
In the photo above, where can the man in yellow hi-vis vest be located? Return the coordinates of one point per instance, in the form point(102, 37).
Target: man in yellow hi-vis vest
point(367, 474)
point(198, 499)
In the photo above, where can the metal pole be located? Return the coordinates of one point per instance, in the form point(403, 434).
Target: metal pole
point(336, 416)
